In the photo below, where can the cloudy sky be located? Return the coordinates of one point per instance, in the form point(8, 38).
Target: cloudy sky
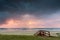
point(29, 13)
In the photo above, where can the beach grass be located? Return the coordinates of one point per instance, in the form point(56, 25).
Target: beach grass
point(25, 37)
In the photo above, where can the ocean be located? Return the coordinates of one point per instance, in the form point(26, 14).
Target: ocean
point(24, 29)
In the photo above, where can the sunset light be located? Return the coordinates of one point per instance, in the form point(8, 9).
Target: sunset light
point(29, 14)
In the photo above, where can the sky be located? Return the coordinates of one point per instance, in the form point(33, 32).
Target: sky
point(29, 13)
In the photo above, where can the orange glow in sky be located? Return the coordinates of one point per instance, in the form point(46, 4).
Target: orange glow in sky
point(29, 21)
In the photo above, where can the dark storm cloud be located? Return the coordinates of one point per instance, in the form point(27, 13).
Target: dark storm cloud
point(35, 7)
point(29, 5)
point(3, 17)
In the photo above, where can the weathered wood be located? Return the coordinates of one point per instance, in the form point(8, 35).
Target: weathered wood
point(42, 33)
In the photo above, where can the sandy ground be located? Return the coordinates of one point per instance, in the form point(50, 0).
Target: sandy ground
point(20, 32)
